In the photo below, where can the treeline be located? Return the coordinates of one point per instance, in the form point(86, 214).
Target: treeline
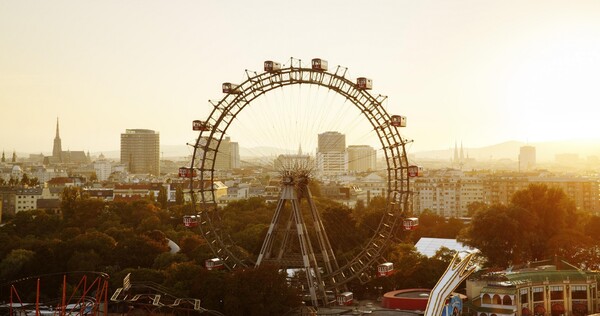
point(119, 238)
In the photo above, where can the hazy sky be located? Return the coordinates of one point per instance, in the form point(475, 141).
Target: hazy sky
point(480, 72)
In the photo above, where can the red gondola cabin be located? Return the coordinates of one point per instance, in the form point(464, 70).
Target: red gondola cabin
point(385, 269)
point(345, 299)
point(232, 88)
point(187, 172)
point(364, 83)
point(271, 66)
point(398, 121)
point(410, 223)
point(319, 64)
point(415, 171)
point(214, 264)
point(190, 221)
point(198, 125)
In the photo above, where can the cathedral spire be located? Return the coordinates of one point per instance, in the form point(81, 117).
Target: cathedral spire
point(57, 149)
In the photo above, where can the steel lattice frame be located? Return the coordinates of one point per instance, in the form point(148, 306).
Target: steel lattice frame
point(224, 113)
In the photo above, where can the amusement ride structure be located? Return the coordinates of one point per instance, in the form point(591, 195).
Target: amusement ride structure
point(323, 271)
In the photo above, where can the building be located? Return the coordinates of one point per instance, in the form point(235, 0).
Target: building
point(103, 168)
point(64, 157)
point(585, 192)
point(447, 193)
point(361, 158)
point(235, 155)
point(527, 158)
point(331, 154)
point(140, 151)
point(549, 287)
point(57, 148)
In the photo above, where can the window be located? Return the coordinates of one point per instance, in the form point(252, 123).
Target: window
point(579, 292)
point(486, 299)
point(507, 300)
point(538, 294)
point(496, 299)
point(556, 293)
point(524, 296)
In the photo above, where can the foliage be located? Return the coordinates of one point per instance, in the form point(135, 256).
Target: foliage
point(539, 223)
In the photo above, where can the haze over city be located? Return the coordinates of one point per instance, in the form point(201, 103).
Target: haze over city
point(476, 72)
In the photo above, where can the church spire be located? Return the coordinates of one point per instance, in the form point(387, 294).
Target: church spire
point(57, 149)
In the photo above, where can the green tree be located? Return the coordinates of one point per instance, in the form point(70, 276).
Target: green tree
point(532, 228)
point(12, 266)
point(274, 298)
point(179, 195)
point(162, 197)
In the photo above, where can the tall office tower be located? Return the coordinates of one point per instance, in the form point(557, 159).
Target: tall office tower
point(361, 158)
point(527, 158)
point(140, 151)
point(331, 153)
point(235, 155)
point(57, 148)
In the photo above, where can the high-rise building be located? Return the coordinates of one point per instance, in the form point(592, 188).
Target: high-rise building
point(361, 158)
point(527, 158)
point(331, 153)
point(235, 155)
point(140, 151)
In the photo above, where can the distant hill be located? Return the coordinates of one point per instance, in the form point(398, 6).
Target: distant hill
point(545, 151)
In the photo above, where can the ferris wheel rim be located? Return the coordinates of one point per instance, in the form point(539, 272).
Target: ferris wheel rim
point(258, 84)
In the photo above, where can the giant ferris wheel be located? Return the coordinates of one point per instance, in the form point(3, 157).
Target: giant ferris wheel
point(323, 270)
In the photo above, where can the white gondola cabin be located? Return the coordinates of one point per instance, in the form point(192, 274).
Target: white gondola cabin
point(415, 171)
point(319, 64)
point(214, 264)
point(190, 220)
point(232, 88)
point(398, 121)
point(345, 299)
point(271, 66)
point(364, 83)
point(385, 269)
point(185, 172)
point(410, 223)
point(198, 125)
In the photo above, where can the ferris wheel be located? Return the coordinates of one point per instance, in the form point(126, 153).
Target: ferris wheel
point(224, 115)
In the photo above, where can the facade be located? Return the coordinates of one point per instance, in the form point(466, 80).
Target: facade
point(140, 151)
point(585, 192)
point(331, 154)
point(527, 158)
point(545, 288)
point(361, 158)
point(26, 199)
point(235, 155)
point(103, 168)
point(447, 193)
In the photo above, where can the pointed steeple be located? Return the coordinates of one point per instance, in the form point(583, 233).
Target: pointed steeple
point(3, 156)
point(462, 152)
point(57, 149)
point(14, 157)
point(455, 152)
point(299, 149)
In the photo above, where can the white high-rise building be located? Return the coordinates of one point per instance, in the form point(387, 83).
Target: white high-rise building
point(331, 154)
point(103, 168)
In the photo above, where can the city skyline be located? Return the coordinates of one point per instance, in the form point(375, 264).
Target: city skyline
point(478, 72)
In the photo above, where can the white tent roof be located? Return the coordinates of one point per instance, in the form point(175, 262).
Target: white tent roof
point(429, 246)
